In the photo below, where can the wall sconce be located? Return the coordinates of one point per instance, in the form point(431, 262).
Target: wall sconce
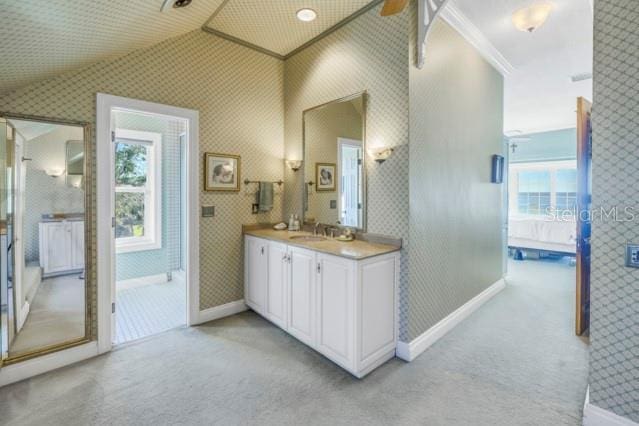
point(54, 173)
point(294, 164)
point(381, 154)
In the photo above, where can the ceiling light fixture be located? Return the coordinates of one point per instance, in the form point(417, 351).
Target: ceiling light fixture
point(532, 17)
point(306, 15)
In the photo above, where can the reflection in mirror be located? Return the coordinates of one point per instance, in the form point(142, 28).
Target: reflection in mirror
point(43, 292)
point(334, 166)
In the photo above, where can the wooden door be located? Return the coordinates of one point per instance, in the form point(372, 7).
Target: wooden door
point(301, 297)
point(335, 308)
point(77, 244)
point(57, 247)
point(277, 281)
point(584, 200)
point(257, 274)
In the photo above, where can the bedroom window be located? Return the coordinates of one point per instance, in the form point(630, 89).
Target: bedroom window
point(566, 190)
point(542, 188)
point(533, 196)
point(138, 201)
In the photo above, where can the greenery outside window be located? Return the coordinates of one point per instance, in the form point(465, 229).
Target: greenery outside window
point(138, 197)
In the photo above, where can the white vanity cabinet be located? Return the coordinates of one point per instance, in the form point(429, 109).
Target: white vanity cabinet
point(344, 308)
point(61, 246)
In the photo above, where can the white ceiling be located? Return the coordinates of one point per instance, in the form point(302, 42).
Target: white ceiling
point(42, 38)
point(272, 24)
point(539, 94)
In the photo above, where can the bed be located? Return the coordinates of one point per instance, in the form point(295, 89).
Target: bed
point(542, 233)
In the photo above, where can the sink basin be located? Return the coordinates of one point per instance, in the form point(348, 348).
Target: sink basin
point(308, 238)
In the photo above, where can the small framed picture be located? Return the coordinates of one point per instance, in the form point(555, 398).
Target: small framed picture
point(221, 172)
point(325, 176)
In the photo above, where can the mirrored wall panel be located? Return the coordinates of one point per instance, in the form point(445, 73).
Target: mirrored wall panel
point(42, 237)
point(334, 163)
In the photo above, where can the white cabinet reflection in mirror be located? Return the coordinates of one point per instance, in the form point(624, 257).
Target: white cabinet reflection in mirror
point(61, 246)
point(345, 309)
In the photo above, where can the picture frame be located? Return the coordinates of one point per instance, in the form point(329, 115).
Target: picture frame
point(325, 174)
point(222, 172)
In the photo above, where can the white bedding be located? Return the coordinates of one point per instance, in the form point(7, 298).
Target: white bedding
point(542, 233)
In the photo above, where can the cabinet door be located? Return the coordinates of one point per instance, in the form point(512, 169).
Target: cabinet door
point(77, 243)
point(277, 280)
point(256, 274)
point(335, 309)
point(57, 247)
point(301, 295)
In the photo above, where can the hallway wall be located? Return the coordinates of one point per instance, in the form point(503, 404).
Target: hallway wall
point(614, 322)
point(456, 125)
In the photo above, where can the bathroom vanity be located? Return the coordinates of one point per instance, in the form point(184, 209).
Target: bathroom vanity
point(340, 298)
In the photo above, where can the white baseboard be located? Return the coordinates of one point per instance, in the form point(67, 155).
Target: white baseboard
point(597, 416)
point(221, 311)
point(410, 351)
point(25, 369)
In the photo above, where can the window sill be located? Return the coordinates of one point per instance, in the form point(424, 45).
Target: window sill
point(135, 246)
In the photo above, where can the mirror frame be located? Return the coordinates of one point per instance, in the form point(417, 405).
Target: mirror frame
point(364, 95)
point(88, 239)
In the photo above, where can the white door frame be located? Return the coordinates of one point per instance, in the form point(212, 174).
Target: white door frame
point(105, 207)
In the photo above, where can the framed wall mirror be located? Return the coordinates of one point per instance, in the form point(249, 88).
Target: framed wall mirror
point(45, 223)
point(334, 163)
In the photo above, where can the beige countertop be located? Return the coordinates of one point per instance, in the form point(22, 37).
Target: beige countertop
point(356, 250)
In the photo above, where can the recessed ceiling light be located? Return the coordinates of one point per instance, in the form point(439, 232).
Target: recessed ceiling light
point(532, 17)
point(306, 15)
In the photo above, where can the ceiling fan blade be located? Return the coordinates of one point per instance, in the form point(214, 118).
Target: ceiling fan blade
point(391, 7)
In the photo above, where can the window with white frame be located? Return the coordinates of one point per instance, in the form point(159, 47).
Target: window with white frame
point(138, 195)
point(542, 188)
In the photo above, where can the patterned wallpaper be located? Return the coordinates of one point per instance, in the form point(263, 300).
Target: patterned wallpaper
point(44, 194)
point(322, 128)
point(370, 53)
point(239, 95)
point(614, 323)
point(455, 212)
point(151, 262)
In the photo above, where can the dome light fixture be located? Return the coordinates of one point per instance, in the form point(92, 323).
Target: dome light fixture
point(530, 18)
point(306, 14)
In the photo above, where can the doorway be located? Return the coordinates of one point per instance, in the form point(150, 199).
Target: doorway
point(149, 192)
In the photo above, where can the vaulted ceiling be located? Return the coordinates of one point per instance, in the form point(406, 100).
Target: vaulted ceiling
point(41, 39)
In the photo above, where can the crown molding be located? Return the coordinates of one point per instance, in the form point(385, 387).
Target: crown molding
point(460, 22)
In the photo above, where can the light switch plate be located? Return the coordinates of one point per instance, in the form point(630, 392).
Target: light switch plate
point(208, 211)
point(333, 204)
point(632, 255)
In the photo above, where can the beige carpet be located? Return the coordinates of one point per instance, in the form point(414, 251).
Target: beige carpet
point(513, 362)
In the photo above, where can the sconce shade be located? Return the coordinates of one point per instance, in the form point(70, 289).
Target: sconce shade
point(381, 154)
point(294, 164)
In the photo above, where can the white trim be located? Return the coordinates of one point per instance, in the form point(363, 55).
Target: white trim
point(221, 311)
point(338, 178)
point(152, 193)
point(410, 351)
point(464, 26)
point(106, 250)
point(32, 367)
point(597, 416)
